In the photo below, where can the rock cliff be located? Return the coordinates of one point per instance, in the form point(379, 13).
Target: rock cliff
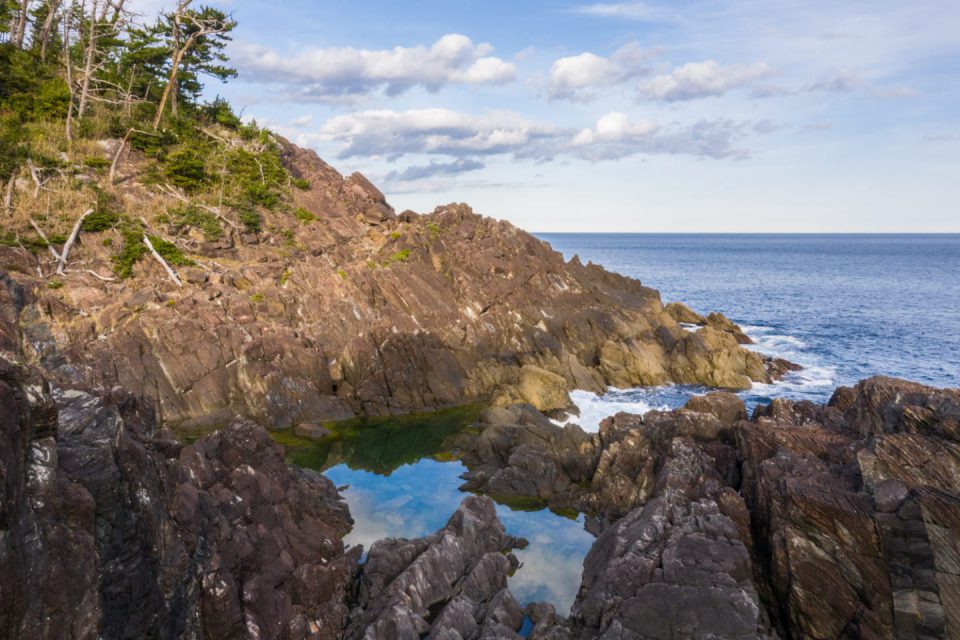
point(350, 309)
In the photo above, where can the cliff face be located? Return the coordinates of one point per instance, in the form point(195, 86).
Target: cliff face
point(359, 311)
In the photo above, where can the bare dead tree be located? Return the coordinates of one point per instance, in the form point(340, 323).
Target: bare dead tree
point(68, 73)
point(46, 240)
point(65, 252)
point(163, 263)
point(123, 144)
point(8, 193)
point(89, 58)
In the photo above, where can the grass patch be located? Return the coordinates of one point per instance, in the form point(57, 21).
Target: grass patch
point(400, 256)
point(257, 297)
point(300, 183)
point(304, 215)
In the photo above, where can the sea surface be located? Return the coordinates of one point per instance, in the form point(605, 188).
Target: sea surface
point(845, 307)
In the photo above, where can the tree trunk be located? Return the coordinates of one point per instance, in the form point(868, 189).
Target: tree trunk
point(8, 193)
point(89, 56)
point(48, 25)
point(17, 36)
point(69, 77)
point(175, 67)
point(62, 262)
point(163, 263)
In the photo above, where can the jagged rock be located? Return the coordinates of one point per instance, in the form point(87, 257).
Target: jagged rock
point(451, 584)
point(682, 313)
point(722, 323)
point(860, 495)
point(110, 528)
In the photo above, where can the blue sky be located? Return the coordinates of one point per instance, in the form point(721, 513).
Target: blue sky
point(623, 116)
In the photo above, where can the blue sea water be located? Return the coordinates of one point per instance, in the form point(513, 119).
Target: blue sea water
point(846, 307)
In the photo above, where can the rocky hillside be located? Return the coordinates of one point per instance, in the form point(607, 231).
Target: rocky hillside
point(806, 521)
point(328, 305)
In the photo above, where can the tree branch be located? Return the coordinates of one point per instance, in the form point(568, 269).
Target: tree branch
point(163, 263)
point(64, 254)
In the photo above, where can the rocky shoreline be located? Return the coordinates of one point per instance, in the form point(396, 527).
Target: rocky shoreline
point(803, 520)
point(837, 520)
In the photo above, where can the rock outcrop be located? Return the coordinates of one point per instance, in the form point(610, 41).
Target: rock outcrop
point(110, 528)
point(357, 312)
point(819, 521)
point(452, 584)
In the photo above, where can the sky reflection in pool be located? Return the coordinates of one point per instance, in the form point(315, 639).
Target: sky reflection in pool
point(417, 499)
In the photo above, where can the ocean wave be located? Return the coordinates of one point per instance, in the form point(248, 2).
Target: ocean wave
point(594, 407)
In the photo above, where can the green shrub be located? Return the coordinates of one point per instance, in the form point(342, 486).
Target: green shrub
point(251, 220)
point(186, 169)
point(194, 216)
point(99, 221)
point(257, 297)
point(303, 215)
point(55, 284)
point(170, 252)
point(301, 184)
point(395, 235)
point(132, 250)
point(221, 112)
point(96, 162)
point(259, 194)
point(433, 228)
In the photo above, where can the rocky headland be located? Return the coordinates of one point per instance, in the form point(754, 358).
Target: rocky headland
point(822, 521)
point(344, 308)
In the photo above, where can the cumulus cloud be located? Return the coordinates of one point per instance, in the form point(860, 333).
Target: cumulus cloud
point(334, 72)
point(576, 77)
point(614, 127)
point(702, 79)
point(616, 136)
point(435, 131)
point(464, 137)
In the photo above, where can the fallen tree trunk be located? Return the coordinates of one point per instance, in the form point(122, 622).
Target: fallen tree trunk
point(163, 263)
point(64, 254)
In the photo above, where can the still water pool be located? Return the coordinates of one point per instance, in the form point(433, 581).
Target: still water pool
point(402, 479)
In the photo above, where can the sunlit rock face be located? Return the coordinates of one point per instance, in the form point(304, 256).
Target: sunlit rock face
point(363, 312)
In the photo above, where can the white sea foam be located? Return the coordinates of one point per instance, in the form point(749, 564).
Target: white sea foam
point(814, 381)
point(594, 408)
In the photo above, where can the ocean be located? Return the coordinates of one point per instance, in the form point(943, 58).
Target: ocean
point(845, 307)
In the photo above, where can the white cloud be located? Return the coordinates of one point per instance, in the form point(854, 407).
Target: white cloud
point(446, 133)
point(615, 127)
point(331, 73)
point(625, 10)
point(702, 79)
point(575, 77)
point(434, 131)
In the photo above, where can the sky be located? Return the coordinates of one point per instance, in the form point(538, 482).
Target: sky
point(689, 116)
